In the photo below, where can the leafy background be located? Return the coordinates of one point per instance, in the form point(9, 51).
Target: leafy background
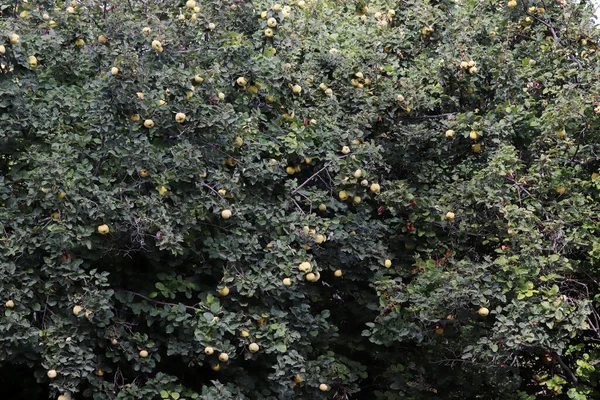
point(524, 189)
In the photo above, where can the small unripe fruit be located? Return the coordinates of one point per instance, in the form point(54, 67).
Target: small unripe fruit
point(304, 267)
point(180, 117)
point(224, 291)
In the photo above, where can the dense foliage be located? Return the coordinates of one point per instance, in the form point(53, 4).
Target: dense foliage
point(314, 199)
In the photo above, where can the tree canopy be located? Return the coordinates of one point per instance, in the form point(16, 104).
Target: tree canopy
point(310, 199)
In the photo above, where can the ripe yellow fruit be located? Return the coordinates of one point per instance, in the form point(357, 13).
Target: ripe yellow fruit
point(473, 135)
point(224, 291)
point(323, 387)
point(221, 96)
point(180, 117)
point(450, 216)
point(149, 123)
point(277, 7)
point(33, 61)
point(561, 190)
point(476, 148)
point(400, 98)
point(79, 43)
point(449, 133)
point(223, 357)
point(216, 367)
point(163, 190)
point(156, 44)
point(297, 89)
point(103, 229)
point(226, 214)
point(356, 200)
point(337, 273)
point(239, 142)
point(190, 4)
point(512, 3)
point(102, 39)
point(375, 188)
point(62, 397)
point(561, 133)
point(114, 71)
point(114, 341)
point(135, 117)
point(343, 195)
point(439, 331)
point(146, 31)
point(212, 26)
point(198, 79)
point(99, 372)
point(143, 173)
point(77, 310)
point(357, 173)
point(51, 374)
point(143, 353)
point(322, 207)
point(287, 282)
point(345, 150)
point(208, 350)
point(301, 4)
point(61, 195)
point(52, 24)
point(241, 81)
point(311, 277)
point(290, 170)
point(320, 239)
point(253, 347)
point(14, 38)
point(245, 333)
point(272, 22)
point(472, 70)
point(70, 10)
point(304, 266)
point(387, 263)
point(9, 304)
point(595, 176)
point(2, 49)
